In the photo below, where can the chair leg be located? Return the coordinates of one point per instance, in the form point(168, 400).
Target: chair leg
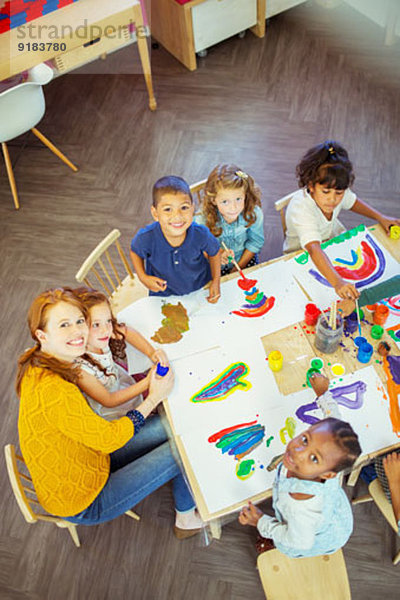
point(74, 534)
point(133, 515)
point(55, 150)
point(396, 558)
point(10, 174)
point(361, 499)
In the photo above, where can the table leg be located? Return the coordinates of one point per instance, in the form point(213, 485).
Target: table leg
point(144, 55)
point(215, 528)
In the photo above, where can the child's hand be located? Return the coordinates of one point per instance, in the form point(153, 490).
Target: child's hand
point(346, 290)
point(214, 292)
point(391, 464)
point(386, 222)
point(160, 387)
point(159, 356)
point(155, 284)
point(319, 383)
point(346, 306)
point(226, 255)
point(250, 515)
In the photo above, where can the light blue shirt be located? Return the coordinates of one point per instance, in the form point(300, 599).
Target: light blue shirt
point(237, 236)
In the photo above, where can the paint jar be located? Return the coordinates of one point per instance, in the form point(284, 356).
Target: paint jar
point(327, 340)
point(364, 352)
point(381, 314)
point(376, 332)
point(311, 314)
point(351, 322)
point(317, 363)
point(275, 360)
point(360, 340)
point(311, 372)
point(394, 232)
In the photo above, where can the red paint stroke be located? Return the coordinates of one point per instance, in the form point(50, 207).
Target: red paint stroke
point(219, 434)
point(256, 312)
point(246, 284)
point(369, 265)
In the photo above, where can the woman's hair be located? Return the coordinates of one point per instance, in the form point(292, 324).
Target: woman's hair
point(37, 319)
point(90, 297)
point(327, 164)
point(347, 440)
point(229, 177)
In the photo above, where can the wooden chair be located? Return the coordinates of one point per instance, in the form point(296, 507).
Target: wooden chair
point(280, 206)
point(22, 485)
point(122, 290)
point(21, 109)
point(315, 578)
point(197, 190)
point(377, 494)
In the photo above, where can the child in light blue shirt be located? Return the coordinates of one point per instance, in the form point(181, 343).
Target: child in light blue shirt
point(231, 209)
point(312, 513)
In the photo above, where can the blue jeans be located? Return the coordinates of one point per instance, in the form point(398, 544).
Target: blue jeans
point(144, 464)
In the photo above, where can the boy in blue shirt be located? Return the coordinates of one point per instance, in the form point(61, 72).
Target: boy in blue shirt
point(169, 255)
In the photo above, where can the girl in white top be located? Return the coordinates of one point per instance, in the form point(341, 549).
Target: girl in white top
point(108, 388)
point(325, 174)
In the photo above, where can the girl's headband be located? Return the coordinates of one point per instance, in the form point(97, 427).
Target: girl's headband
point(242, 175)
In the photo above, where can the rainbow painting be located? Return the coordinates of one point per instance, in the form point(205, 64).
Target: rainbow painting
point(257, 304)
point(366, 265)
point(227, 382)
point(239, 440)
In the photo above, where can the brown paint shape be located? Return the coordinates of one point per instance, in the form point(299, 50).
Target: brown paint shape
point(176, 322)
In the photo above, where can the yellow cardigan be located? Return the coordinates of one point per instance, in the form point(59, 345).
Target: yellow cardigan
point(65, 444)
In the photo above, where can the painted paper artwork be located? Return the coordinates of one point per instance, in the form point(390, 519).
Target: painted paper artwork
point(392, 324)
point(357, 257)
point(173, 325)
point(239, 440)
point(218, 382)
point(273, 302)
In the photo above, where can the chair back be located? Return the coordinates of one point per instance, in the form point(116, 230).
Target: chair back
point(378, 495)
point(197, 190)
point(108, 266)
point(21, 483)
point(280, 206)
point(23, 106)
point(315, 578)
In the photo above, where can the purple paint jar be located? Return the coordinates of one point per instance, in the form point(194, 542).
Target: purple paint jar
point(364, 352)
point(351, 323)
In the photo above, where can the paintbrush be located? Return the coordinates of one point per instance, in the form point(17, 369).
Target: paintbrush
point(234, 261)
point(358, 318)
point(275, 462)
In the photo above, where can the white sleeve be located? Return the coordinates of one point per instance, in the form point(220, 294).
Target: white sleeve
point(329, 406)
point(303, 519)
point(349, 198)
point(303, 219)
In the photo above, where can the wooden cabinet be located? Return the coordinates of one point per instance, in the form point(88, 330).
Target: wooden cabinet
point(189, 28)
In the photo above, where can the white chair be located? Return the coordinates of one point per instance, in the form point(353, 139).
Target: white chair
point(377, 494)
point(280, 206)
point(22, 485)
point(197, 190)
point(108, 266)
point(21, 109)
point(314, 578)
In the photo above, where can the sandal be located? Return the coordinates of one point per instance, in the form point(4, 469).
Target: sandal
point(264, 544)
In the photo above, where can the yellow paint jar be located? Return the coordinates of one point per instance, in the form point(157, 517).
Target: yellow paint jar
point(275, 360)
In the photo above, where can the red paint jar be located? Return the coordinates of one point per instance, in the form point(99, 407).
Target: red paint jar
point(311, 314)
point(381, 314)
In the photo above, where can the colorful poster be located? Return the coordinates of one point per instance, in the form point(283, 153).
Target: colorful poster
point(357, 257)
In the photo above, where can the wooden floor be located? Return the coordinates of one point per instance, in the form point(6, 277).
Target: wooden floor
point(261, 104)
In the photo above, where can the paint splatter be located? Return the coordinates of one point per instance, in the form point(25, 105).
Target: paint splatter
point(338, 369)
point(289, 428)
point(175, 323)
point(227, 382)
point(340, 394)
point(239, 440)
point(269, 440)
point(245, 469)
point(257, 303)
